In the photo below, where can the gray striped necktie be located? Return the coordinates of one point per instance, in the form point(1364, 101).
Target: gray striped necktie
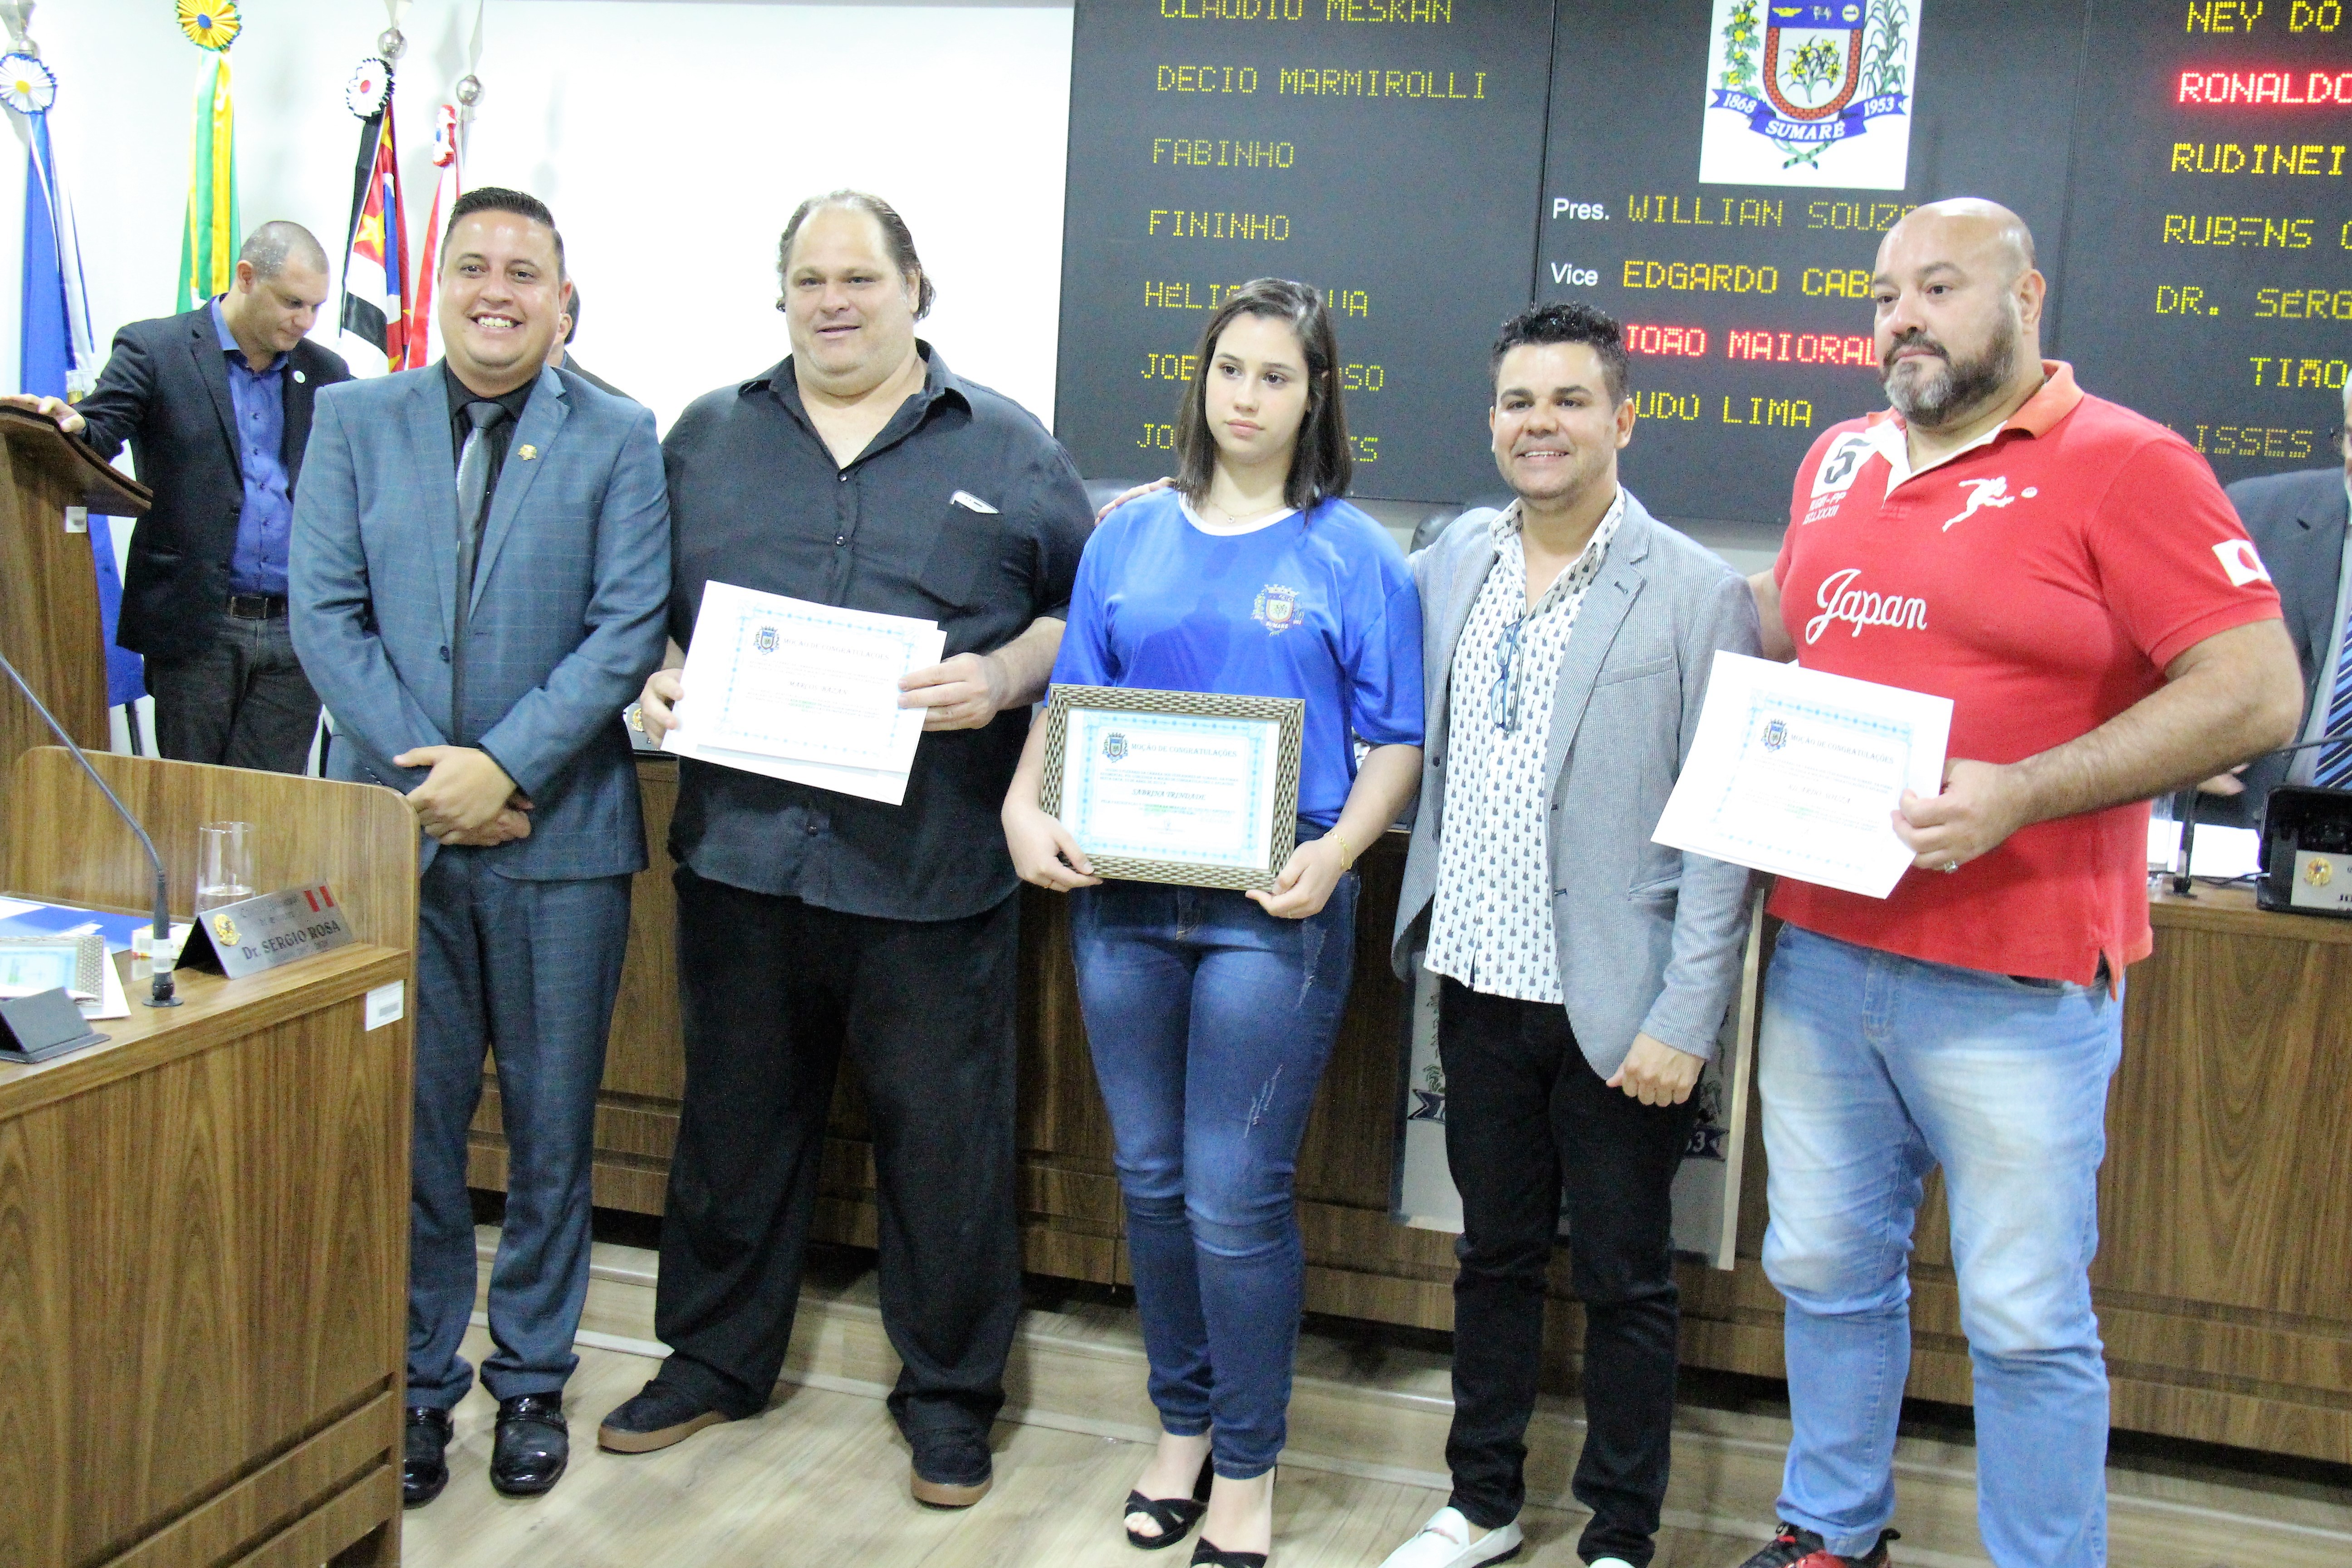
point(473, 502)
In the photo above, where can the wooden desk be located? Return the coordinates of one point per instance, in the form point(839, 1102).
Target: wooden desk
point(2224, 1282)
point(203, 1223)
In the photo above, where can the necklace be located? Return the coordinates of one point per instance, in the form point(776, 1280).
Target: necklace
point(1237, 521)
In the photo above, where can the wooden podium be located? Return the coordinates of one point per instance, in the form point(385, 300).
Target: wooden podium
point(203, 1223)
point(49, 585)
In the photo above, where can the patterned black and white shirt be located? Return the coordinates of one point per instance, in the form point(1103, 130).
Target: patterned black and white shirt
point(1491, 925)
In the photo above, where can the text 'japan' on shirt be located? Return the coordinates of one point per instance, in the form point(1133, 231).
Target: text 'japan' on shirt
point(2043, 580)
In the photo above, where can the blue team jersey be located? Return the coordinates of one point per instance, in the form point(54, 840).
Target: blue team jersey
point(1319, 604)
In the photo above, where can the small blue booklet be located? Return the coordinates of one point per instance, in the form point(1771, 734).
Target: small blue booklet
point(21, 917)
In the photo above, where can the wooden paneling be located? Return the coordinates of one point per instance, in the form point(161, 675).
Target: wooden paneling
point(2223, 1280)
point(203, 1251)
point(49, 582)
point(2226, 1199)
point(204, 1222)
point(2236, 1090)
point(359, 839)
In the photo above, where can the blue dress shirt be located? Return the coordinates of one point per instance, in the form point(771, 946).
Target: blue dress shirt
point(257, 565)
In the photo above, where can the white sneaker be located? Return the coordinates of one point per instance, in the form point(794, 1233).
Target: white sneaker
point(1609, 1563)
point(1445, 1543)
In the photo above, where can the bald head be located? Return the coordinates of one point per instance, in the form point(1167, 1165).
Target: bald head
point(279, 241)
point(1958, 314)
point(282, 281)
point(1984, 233)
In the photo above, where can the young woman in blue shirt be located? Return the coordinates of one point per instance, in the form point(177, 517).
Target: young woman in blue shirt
point(1210, 1013)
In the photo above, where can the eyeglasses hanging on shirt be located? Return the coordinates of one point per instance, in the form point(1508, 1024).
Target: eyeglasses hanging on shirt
point(1503, 696)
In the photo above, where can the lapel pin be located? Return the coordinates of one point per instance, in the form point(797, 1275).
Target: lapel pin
point(299, 377)
point(526, 451)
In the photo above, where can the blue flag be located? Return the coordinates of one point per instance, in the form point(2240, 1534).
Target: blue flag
point(46, 366)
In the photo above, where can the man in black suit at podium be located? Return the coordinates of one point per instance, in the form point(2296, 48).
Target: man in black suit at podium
point(2297, 523)
point(215, 403)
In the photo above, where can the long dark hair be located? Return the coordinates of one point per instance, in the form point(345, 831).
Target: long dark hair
point(1322, 462)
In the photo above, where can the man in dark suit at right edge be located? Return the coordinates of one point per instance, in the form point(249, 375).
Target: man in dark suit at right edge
point(2297, 523)
point(215, 403)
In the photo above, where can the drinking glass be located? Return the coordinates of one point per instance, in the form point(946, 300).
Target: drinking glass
point(223, 864)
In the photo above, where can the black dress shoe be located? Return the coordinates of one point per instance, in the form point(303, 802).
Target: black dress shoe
point(424, 1459)
point(534, 1443)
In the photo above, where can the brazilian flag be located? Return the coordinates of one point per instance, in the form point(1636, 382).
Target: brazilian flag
point(210, 236)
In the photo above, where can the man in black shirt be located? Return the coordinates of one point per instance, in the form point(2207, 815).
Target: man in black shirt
point(860, 472)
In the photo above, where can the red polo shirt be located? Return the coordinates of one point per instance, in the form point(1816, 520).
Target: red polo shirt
point(2042, 581)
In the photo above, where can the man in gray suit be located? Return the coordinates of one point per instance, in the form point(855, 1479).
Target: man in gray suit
point(2297, 523)
point(1586, 970)
point(480, 570)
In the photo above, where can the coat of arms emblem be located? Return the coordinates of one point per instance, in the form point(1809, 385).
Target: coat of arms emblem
point(765, 639)
point(1811, 92)
point(1776, 735)
point(1115, 747)
point(1276, 608)
point(224, 929)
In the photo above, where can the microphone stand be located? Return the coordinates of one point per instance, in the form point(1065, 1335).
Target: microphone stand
point(2181, 879)
point(160, 993)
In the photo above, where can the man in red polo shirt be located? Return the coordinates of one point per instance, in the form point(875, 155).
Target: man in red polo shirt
point(2069, 574)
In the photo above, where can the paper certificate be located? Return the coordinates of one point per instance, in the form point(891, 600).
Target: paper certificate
point(784, 678)
point(803, 691)
point(1172, 786)
point(1175, 787)
point(1799, 772)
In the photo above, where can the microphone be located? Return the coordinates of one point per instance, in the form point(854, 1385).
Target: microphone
point(160, 995)
point(2181, 878)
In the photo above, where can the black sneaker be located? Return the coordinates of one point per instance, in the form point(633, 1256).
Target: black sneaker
point(655, 1416)
point(951, 1466)
point(1795, 1548)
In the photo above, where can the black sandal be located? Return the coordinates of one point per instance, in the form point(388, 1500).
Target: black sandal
point(1207, 1556)
point(1174, 1516)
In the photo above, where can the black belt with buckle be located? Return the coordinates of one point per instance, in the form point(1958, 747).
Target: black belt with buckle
point(258, 606)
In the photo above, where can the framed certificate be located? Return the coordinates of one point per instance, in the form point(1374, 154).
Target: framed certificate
point(1175, 787)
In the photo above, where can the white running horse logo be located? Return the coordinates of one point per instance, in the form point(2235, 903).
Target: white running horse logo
point(1983, 493)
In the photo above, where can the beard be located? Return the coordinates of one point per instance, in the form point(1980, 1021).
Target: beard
point(1941, 396)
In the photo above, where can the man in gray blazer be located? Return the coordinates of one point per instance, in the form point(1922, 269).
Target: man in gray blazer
point(1586, 970)
point(2297, 523)
point(480, 570)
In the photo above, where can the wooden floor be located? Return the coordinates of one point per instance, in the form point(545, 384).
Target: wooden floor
point(821, 1477)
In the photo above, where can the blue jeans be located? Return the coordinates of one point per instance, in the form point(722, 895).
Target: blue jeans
point(1210, 1021)
point(1876, 1068)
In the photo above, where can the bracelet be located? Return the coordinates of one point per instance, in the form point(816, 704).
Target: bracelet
point(1347, 851)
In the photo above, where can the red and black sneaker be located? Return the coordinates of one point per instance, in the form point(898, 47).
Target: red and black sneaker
point(1795, 1548)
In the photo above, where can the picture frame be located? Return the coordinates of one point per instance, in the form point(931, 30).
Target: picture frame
point(1194, 788)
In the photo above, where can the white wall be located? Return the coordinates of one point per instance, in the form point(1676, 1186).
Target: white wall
point(671, 137)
